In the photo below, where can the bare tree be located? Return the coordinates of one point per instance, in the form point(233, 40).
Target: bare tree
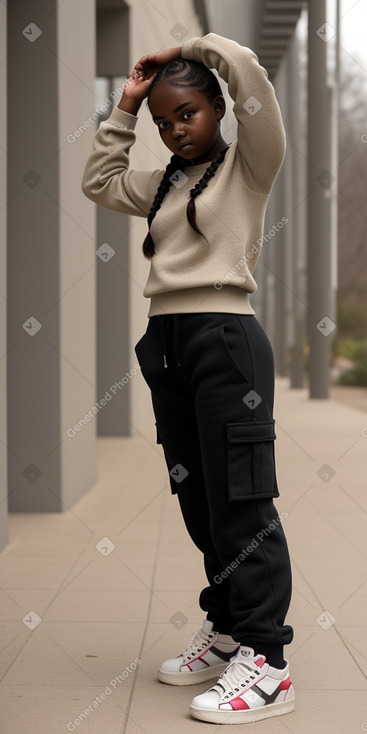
point(352, 209)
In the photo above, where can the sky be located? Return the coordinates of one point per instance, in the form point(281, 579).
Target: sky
point(353, 28)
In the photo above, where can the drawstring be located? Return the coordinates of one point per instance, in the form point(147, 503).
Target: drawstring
point(163, 339)
point(162, 318)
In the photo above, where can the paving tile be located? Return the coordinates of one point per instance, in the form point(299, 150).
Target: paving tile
point(13, 636)
point(314, 644)
point(355, 639)
point(45, 709)
point(33, 571)
point(72, 654)
point(93, 606)
point(63, 535)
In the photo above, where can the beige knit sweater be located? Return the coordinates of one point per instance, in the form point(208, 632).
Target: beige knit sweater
point(188, 274)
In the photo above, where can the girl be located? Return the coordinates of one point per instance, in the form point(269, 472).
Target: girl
point(206, 358)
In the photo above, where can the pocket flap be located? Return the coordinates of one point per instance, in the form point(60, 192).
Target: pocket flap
point(251, 460)
point(251, 431)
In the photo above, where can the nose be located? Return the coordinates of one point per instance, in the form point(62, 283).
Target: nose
point(177, 131)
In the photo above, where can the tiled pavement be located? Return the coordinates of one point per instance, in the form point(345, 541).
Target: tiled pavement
point(101, 611)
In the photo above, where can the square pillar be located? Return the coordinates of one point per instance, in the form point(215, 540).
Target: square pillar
point(51, 348)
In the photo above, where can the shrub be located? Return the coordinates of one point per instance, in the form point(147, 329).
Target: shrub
point(357, 376)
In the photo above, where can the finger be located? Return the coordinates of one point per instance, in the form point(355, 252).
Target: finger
point(151, 77)
point(143, 61)
point(135, 74)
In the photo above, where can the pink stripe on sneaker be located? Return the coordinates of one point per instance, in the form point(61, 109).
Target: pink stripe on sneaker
point(285, 684)
point(239, 704)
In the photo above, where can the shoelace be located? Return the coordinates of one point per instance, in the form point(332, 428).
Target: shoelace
point(233, 679)
point(198, 642)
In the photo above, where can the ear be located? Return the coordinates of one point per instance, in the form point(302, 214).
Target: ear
point(219, 107)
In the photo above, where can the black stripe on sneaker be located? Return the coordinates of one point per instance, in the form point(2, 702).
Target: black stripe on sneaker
point(223, 655)
point(268, 697)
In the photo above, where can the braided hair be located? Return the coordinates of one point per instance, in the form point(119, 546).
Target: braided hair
point(190, 73)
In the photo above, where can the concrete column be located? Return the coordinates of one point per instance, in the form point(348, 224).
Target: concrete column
point(113, 323)
point(320, 183)
point(51, 256)
point(274, 250)
point(334, 92)
point(278, 244)
point(267, 284)
point(113, 243)
point(297, 209)
point(274, 245)
point(3, 286)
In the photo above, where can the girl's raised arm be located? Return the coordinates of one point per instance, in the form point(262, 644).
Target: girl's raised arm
point(108, 179)
point(261, 136)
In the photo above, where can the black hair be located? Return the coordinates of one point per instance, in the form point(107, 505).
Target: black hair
point(188, 73)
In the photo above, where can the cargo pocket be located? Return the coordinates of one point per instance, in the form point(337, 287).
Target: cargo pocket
point(227, 351)
point(251, 460)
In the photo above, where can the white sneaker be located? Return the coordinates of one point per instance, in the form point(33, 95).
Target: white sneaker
point(248, 690)
point(206, 656)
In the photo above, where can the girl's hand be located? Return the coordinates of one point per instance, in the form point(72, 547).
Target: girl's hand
point(152, 62)
point(137, 86)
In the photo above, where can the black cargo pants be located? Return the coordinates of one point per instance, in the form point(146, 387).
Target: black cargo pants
point(211, 377)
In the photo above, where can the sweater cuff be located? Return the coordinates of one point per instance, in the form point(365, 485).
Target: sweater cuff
point(187, 48)
point(122, 119)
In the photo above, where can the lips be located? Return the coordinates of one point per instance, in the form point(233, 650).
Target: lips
point(184, 146)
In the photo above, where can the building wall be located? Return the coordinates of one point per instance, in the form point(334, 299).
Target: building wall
point(77, 258)
point(3, 285)
point(236, 19)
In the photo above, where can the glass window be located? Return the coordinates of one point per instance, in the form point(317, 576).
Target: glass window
point(107, 93)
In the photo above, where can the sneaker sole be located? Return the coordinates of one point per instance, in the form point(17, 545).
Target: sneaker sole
point(189, 679)
point(243, 717)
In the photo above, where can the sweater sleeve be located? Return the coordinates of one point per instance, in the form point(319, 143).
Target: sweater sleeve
point(260, 132)
point(107, 179)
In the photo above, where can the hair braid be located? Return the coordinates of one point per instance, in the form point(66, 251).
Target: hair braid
point(202, 184)
point(176, 163)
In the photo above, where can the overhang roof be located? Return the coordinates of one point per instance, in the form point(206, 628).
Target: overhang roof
point(279, 19)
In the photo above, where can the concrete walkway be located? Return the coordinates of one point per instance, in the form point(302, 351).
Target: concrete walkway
point(90, 616)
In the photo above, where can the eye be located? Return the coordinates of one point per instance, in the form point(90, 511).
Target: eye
point(162, 125)
point(189, 112)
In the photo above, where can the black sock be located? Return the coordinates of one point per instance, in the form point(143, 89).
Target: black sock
point(273, 653)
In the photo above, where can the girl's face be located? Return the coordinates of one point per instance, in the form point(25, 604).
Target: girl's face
point(188, 122)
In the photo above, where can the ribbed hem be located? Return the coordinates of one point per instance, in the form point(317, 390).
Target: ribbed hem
point(228, 299)
point(122, 119)
point(187, 48)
